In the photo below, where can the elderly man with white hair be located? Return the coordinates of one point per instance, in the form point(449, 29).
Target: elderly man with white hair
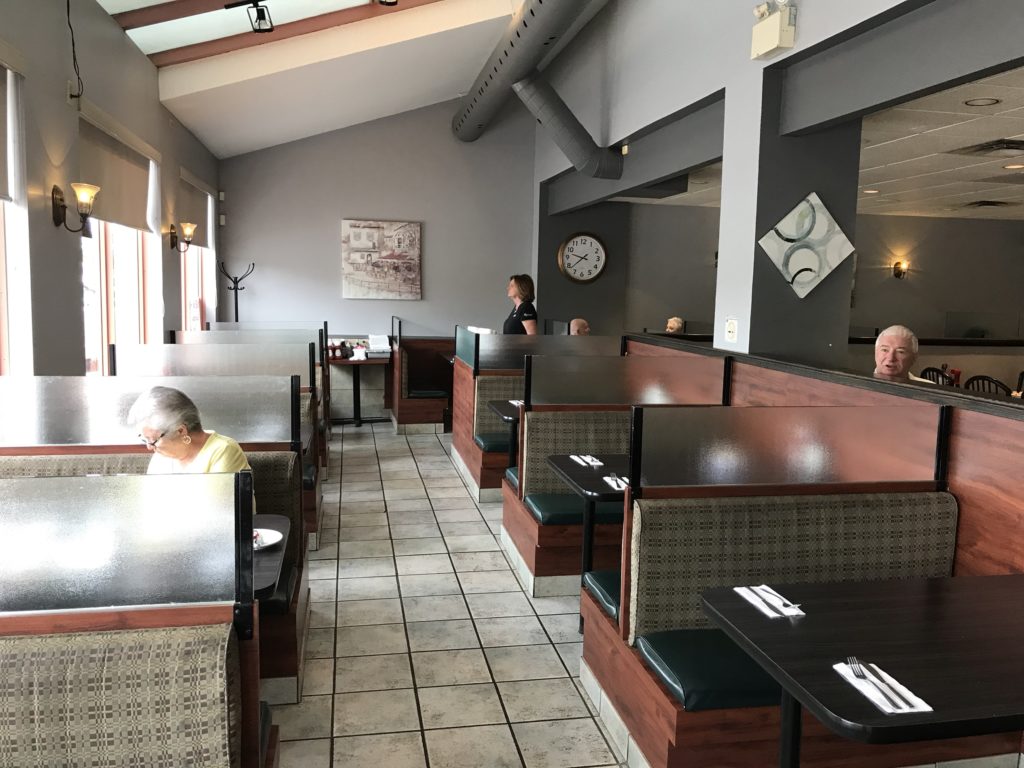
point(895, 353)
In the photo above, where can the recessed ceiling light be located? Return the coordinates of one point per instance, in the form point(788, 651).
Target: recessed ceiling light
point(870, 191)
point(982, 102)
point(1014, 167)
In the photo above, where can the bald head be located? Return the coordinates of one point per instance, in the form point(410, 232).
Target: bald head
point(579, 327)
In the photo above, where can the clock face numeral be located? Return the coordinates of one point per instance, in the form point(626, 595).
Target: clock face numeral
point(582, 258)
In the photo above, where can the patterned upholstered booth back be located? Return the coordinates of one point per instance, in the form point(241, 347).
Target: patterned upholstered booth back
point(165, 698)
point(494, 388)
point(560, 432)
point(277, 482)
point(681, 547)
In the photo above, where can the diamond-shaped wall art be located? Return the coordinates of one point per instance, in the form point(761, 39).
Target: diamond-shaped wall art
point(806, 245)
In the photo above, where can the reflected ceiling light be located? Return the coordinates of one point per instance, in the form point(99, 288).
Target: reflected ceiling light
point(982, 102)
point(1014, 167)
point(259, 15)
point(85, 196)
point(188, 230)
point(900, 269)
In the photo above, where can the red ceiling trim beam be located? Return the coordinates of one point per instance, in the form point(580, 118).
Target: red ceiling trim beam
point(188, 53)
point(169, 11)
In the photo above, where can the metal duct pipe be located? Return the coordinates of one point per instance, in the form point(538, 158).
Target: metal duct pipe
point(531, 35)
point(566, 131)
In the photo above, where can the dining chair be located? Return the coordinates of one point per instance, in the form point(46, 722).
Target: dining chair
point(986, 384)
point(937, 376)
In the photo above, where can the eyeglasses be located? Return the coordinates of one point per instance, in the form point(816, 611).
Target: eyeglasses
point(152, 443)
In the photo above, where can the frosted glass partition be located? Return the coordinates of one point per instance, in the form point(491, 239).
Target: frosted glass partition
point(81, 411)
point(500, 352)
point(216, 360)
point(286, 336)
point(465, 345)
point(402, 328)
point(786, 446)
point(106, 542)
point(632, 380)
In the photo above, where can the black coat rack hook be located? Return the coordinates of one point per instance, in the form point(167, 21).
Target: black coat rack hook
point(235, 282)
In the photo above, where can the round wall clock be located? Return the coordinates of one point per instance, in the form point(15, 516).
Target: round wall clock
point(582, 257)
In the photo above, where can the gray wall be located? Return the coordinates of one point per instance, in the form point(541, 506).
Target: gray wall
point(672, 265)
point(121, 81)
point(284, 208)
point(601, 302)
point(956, 265)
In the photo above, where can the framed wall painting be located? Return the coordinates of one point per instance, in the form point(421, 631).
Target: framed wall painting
point(380, 259)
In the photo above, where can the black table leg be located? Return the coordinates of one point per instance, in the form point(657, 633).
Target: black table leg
point(355, 396)
point(513, 443)
point(589, 508)
point(789, 743)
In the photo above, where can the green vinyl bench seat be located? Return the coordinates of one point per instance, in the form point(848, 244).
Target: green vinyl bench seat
point(704, 669)
point(427, 394)
point(512, 475)
point(604, 587)
point(308, 476)
point(567, 509)
point(492, 442)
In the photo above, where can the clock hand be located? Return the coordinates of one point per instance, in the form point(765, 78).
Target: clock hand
point(581, 258)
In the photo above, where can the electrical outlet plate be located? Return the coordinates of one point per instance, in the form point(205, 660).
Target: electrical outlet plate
point(732, 330)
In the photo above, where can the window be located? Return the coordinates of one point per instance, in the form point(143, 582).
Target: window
point(122, 290)
point(198, 287)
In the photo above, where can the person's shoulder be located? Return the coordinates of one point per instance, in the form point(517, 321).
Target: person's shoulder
point(920, 380)
point(527, 311)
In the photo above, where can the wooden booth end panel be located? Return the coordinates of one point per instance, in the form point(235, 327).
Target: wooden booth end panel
point(984, 456)
point(463, 408)
point(753, 385)
point(655, 350)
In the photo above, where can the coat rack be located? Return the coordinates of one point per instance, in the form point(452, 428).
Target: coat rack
point(235, 282)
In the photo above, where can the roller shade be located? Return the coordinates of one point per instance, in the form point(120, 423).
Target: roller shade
point(121, 173)
point(193, 204)
point(5, 176)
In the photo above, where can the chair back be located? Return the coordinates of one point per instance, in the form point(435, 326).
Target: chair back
point(986, 384)
point(937, 376)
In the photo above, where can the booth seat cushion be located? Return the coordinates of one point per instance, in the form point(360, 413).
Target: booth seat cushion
point(512, 475)
point(493, 442)
point(567, 509)
point(604, 586)
point(704, 669)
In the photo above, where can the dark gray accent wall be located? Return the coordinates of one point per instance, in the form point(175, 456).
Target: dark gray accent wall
point(601, 302)
point(944, 43)
point(956, 265)
point(120, 80)
point(672, 265)
point(284, 209)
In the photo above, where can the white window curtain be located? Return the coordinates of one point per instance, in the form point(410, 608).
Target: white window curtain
point(194, 204)
point(19, 280)
point(121, 173)
point(5, 180)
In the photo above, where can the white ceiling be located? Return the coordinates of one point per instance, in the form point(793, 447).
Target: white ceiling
point(907, 156)
point(253, 98)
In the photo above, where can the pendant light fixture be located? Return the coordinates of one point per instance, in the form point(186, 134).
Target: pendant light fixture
point(259, 15)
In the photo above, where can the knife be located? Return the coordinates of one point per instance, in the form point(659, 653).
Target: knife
point(874, 674)
point(774, 599)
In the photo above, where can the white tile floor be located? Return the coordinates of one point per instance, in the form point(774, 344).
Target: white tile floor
point(422, 649)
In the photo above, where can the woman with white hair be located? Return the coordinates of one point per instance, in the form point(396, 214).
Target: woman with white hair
point(168, 424)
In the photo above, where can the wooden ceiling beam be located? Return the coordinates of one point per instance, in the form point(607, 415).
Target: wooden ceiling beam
point(306, 26)
point(169, 11)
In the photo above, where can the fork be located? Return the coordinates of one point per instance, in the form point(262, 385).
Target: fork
point(860, 674)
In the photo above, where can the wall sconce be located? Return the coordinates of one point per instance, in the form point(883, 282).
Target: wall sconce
point(85, 195)
point(187, 231)
point(900, 269)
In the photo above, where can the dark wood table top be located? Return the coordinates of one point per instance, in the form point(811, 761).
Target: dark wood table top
point(266, 563)
point(954, 642)
point(589, 481)
point(506, 411)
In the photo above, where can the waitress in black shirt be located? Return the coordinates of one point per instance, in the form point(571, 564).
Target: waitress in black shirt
point(523, 317)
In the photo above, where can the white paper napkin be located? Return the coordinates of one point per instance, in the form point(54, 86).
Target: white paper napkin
point(577, 459)
point(516, 403)
point(767, 601)
point(874, 696)
point(617, 483)
point(591, 460)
